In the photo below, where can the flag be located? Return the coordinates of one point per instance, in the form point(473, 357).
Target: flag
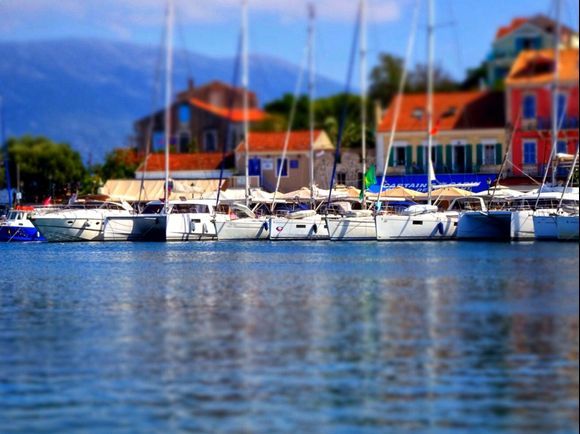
point(435, 128)
point(369, 179)
point(47, 201)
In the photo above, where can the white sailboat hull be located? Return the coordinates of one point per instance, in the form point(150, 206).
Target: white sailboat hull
point(567, 227)
point(352, 228)
point(161, 227)
point(243, 229)
point(69, 227)
point(428, 226)
point(190, 227)
point(545, 227)
point(479, 225)
point(308, 228)
point(135, 228)
point(522, 225)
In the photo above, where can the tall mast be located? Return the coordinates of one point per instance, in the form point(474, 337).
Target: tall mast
point(363, 86)
point(430, 72)
point(311, 72)
point(245, 85)
point(555, 118)
point(4, 148)
point(168, 87)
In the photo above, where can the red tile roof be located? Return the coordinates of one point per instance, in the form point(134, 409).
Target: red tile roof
point(234, 114)
point(543, 22)
point(452, 110)
point(187, 162)
point(514, 25)
point(299, 141)
point(537, 67)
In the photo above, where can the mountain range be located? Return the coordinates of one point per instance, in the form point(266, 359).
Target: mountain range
point(88, 93)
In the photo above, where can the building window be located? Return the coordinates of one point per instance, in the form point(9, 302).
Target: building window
point(562, 103)
point(489, 155)
point(562, 147)
point(284, 167)
point(530, 153)
point(184, 113)
point(210, 140)
point(184, 142)
point(528, 43)
point(341, 178)
point(529, 106)
point(158, 141)
point(433, 156)
point(294, 164)
point(399, 156)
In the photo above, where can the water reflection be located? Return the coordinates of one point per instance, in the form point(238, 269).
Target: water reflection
point(264, 337)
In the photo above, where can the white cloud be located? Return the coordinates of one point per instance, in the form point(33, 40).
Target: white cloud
point(127, 14)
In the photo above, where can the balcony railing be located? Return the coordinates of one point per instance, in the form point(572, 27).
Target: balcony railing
point(568, 123)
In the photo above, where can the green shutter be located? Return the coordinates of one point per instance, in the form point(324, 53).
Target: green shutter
point(498, 153)
point(420, 158)
point(408, 158)
point(468, 158)
point(449, 158)
point(392, 156)
point(439, 154)
point(479, 157)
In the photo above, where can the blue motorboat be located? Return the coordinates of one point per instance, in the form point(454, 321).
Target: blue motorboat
point(18, 227)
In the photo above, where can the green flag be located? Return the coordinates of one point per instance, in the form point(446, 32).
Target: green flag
point(369, 179)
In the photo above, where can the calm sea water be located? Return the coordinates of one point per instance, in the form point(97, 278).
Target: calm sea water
point(289, 337)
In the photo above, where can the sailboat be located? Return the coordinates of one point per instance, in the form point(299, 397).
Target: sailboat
point(357, 225)
point(420, 222)
point(166, 220)
point(545, 219)
point(559, 224)
point(303, 224)
point(241, 223)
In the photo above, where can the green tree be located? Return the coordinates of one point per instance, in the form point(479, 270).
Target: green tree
point(328, 112)
point(385, 79)
point(46, 168)
point(442, 81)
point(120, 163)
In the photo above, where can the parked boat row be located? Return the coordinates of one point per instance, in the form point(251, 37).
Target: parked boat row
point(549, 215)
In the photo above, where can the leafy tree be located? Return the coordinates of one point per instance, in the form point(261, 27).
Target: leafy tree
point(474, 77)
point(442, 81)
point(385, 78)
point(327, 114)
point(46, 168)
point(120, 163)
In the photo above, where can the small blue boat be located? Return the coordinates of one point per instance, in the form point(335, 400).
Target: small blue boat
point(18, 227)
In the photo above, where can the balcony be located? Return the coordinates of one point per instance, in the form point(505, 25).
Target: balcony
point(568, 123)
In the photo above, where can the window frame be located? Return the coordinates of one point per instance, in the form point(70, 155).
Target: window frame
point(524, 153)
point(524, 111)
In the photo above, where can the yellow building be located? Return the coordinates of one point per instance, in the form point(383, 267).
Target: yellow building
point(470, 134)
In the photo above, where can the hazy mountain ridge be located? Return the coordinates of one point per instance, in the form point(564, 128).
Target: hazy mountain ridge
point(89, 92)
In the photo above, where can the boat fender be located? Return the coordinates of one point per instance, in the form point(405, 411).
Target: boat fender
point(441, 228)
point(265, 225)
point(315, 228)
point(192, 227)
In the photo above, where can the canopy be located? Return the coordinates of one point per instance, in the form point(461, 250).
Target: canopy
point(449, 193)
point(130, 189)
point(399, 193)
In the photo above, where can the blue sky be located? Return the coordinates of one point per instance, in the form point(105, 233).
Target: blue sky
point(278, 27)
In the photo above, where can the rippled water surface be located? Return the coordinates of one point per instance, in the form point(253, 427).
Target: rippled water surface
point(293, 338)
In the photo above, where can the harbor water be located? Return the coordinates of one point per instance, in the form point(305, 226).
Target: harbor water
point(289, 337)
